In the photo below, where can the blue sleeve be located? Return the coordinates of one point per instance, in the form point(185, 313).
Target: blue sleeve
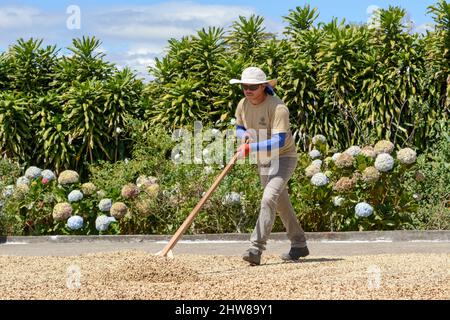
point(278, 140)
point(240, 131)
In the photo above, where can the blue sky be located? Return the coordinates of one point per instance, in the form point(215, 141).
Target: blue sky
point(134, 32)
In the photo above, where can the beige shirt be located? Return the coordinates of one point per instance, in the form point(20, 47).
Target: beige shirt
point(267, 118)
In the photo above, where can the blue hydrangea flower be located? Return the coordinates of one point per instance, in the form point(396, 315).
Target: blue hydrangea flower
point(319, 179)
point(48, 175)
point(33, 173)
point(105, 205)
point(384, 162)
point(75, 223)
point(363, 209)
point(102, 222)
point(314, 154)
point(22, 180)
point(75, 195)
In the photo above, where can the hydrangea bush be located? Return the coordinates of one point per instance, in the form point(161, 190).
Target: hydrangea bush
point(359, 188)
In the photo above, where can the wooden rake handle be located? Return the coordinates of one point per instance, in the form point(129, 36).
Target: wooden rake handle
point(186, 224)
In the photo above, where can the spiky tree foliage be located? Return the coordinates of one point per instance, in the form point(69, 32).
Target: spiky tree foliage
point(175, 64)
point(84, 115)
point(438, 58)
point(339, 59)
point(85, 62)
point(53, 147)
point(299, 20)
point(122, 103)
point(391, 88)
point(298, 75)
point(15, 131)
point(247, 37)
point(4, 71)
point(191, 80)
point(30, 67)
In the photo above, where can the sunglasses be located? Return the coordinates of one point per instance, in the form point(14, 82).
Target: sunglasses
point(251, 87)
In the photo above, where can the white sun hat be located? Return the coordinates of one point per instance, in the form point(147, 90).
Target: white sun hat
point(254, 75)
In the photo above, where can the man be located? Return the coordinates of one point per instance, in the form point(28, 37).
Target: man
point(264, 119)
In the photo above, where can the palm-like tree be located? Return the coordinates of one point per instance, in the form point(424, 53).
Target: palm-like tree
point(247, 37)
point(86, 62)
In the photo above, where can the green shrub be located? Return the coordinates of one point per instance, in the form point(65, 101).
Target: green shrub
point(431, 187)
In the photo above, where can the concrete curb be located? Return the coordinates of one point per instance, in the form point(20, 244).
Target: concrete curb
point(380, 236)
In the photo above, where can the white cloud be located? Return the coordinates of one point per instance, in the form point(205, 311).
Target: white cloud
point(17, 17)
point(14, 18)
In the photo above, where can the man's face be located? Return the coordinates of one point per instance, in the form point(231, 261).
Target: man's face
point(253, 91)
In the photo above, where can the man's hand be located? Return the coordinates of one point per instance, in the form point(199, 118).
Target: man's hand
point(244, 150)
point(246, 137)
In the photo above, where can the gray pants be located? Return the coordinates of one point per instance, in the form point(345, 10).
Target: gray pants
point(276, 199)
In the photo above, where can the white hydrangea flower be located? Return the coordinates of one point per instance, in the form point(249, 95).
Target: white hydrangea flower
point(407, 156)
point(215, 132)
point(336, 156)
point(319, 179)
point(232, 121)
point(319, 139)
point(22, 180)
point(75, 196)
point(33, 173)
point(353, 151)
point(338, 201)
point(314, 154)
point(105, 205)
point(317, 163)
point(384, 162)
point(363, 209)
point(8, 191)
